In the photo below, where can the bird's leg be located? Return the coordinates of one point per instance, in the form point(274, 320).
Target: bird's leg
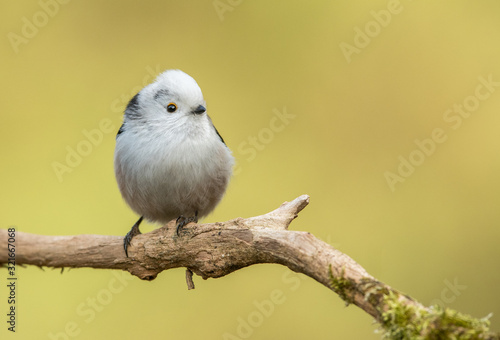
point(130, 235)
point(183, 220)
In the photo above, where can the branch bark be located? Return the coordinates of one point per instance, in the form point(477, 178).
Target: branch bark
point(217, 249)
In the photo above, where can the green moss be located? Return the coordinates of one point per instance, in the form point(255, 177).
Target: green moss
point(342, 286)
point(403, 321)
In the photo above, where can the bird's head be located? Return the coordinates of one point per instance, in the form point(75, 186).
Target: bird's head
point(174, 99)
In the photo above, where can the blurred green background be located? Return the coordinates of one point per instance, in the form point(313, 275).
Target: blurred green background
point(360, 82)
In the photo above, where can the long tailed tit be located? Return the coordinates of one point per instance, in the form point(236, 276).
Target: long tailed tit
point(170, 160)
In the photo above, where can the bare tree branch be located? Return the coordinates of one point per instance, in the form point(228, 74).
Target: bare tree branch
point(216, 249)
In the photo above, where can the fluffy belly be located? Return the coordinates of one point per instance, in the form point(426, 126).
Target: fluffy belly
point(165, 188)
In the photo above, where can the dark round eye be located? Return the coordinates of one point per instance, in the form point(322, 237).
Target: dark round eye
point(171, 107)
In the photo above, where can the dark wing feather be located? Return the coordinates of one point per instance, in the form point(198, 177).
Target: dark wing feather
point(217, 132)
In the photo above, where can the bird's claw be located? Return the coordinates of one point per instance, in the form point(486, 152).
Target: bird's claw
point(183, 220)
point(130, 235)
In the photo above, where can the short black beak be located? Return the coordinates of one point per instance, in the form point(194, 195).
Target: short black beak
point(199, 110)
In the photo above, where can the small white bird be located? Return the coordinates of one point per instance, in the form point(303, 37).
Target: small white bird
point(170, 160)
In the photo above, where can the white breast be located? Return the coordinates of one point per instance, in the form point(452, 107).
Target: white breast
point(169, 173)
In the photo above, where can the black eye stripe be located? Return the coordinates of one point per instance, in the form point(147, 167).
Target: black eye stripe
point(161, 93)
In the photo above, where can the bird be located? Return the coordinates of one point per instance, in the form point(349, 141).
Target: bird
point(170, 161)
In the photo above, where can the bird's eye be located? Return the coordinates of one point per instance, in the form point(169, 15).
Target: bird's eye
point(171, 107)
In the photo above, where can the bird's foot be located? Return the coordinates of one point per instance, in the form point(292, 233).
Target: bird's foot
point(130, 235)
point(183, 220)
